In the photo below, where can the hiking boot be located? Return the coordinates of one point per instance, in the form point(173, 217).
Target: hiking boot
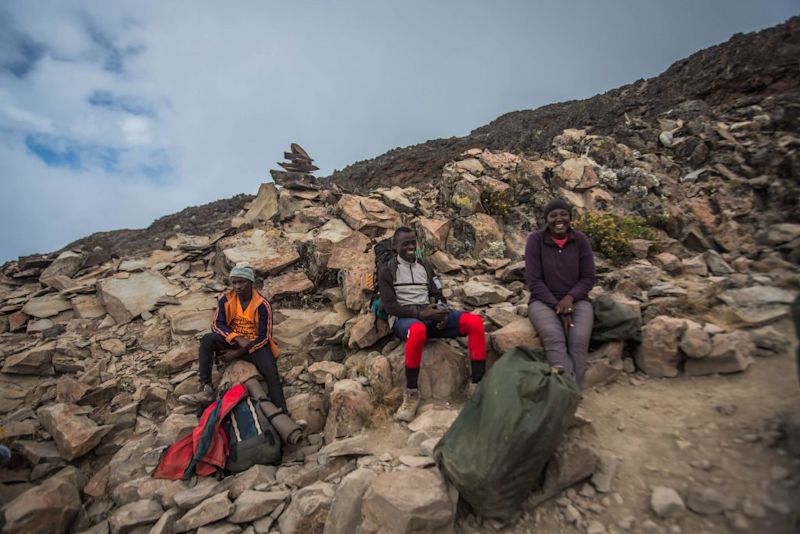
point(471, 389)
point(408, 409)
point(203, 396)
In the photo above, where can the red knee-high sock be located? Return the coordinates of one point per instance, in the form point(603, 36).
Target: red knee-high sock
point(417, 335)
point(471, 325)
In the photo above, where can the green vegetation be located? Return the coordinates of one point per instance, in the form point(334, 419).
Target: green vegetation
point(611, 234)
point(461, 201)
point(496, 202)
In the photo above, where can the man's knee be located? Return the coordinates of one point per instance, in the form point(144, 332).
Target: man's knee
point(207, 340)
point(417, 333)
point(470, 323)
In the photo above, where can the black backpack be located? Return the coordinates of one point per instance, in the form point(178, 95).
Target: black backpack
point(251, 437)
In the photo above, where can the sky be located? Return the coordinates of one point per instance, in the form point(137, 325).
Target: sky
point(113, 114)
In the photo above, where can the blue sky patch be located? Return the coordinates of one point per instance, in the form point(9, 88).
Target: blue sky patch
point(57, 151)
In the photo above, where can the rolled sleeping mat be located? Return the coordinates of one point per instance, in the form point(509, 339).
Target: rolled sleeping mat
point(290, 432)
point(256, 389)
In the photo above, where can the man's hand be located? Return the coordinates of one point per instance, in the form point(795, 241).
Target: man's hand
point(243, 342)
point(433, 313)
point(564, 306)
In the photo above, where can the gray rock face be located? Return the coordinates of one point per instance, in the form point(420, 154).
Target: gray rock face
point(49, 507)
point(414, 500)
point(345, 512)
point(666, 502)
point(305, 504)
point(134, 515)
point(707, 501)
point(252, 505)
point(444, 371)
point(258, 474)
point(129, 297)
point(730, 353)
point(480, 293)
point(210, 510)
point(349, 412)
point(658, 354)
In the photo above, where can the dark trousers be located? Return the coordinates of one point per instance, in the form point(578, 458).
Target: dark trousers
point(214, 343)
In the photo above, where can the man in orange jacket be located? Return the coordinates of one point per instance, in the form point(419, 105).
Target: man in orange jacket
point(241, 328)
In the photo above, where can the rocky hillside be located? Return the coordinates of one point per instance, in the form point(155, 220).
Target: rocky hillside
point(691, 205)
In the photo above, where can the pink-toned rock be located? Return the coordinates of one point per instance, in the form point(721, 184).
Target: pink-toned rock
point(730, 353)
point(433, 233)
point(695, 342)
point(267, 252)
point(35, 361)
point(658, 355)
point(309, 407)
point(49, 507)
point(519, 332)
point(74, 433)
point(288, 285)
point(368, 215)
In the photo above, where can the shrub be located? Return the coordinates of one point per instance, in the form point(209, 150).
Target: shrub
point(611, 234)
point(496, 202)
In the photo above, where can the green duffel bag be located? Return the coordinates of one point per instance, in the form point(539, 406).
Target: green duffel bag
point(498, 446)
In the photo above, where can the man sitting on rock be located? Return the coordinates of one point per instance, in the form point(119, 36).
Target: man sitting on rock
point(412, 296)
point(241, 328)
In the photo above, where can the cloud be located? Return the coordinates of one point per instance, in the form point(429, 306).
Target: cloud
point(135, 105)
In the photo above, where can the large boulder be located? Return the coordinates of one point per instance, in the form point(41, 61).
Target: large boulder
point(267, 252)
point(365, 331)
point(75, 434)
point(293, 333)
point(414, 500)
point(126, 298)
point(49, 507)
point(349, 412)
point(730, 353)
point(576, 174)
point(368, 215)
point(444, 371)
point(658, 355)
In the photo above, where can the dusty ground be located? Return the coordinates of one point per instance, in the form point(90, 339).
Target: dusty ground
point(684, 433)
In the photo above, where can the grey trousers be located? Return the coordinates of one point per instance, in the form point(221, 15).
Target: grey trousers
point(568, 353)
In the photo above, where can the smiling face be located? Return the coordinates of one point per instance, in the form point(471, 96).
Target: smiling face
point(405, 244)
point(558, 221)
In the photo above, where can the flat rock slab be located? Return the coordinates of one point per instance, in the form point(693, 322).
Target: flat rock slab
point(49, 507)
point(129, 297)
point(267, 253)
point(35, 361)
point(46, 306)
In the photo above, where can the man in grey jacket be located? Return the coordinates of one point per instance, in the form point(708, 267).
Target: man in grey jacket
point(412, 296)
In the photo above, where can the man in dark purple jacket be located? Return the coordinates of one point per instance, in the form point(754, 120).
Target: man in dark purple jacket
point(559, 268)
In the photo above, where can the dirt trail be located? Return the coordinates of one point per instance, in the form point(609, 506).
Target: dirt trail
point(685, 433)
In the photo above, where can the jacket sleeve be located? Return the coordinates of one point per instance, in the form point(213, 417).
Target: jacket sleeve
point(389, 296)
point(580, 291)
point(533, 272)
point(264, 326)
point(219, 324)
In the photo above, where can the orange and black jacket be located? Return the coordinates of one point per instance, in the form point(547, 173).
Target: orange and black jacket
point(253, 323)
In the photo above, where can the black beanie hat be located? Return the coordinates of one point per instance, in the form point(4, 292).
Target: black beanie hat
point(557, 204)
